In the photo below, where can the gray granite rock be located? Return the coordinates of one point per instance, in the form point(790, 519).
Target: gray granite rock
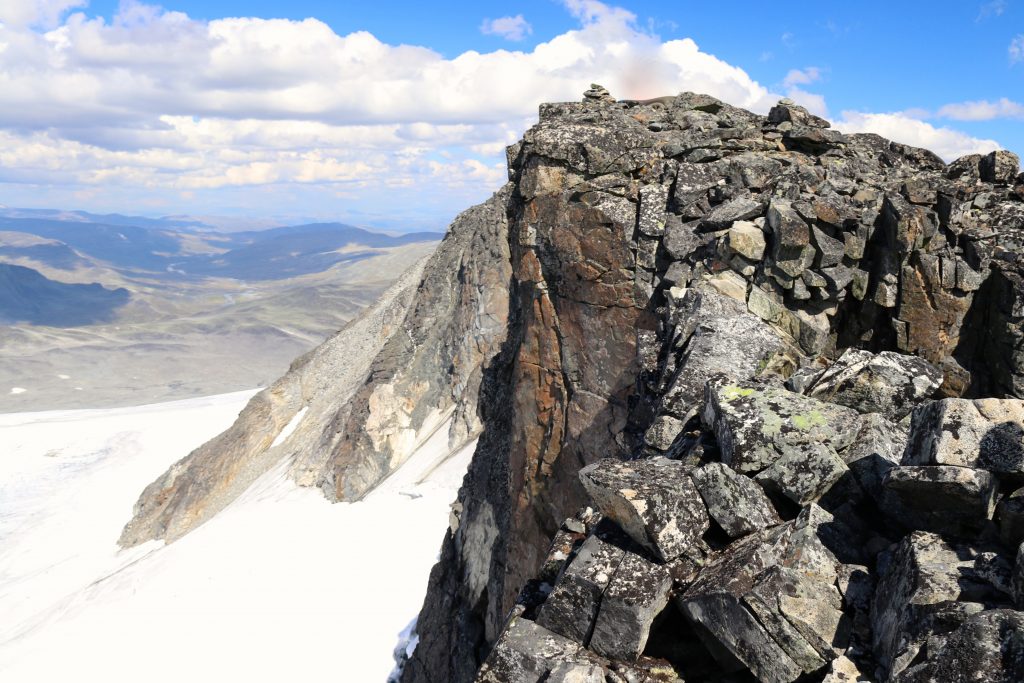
point(941, 498)
point(984, 433)
point(653, 500)
point(572, 607)
point(734, 501)
point(756, 425)
point(638, 592)
point(889, 383)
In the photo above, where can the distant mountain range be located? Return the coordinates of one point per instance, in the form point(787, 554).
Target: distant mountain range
point(172, 249)
point(124, 310)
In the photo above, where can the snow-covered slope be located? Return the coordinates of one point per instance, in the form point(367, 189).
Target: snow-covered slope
point(282, 585)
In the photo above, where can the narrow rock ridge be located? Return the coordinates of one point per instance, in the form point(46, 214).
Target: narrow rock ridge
point(757, 415)
point(365, 398)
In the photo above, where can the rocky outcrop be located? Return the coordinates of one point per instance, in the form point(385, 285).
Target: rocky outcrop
point(352, 410)
point(769, 350)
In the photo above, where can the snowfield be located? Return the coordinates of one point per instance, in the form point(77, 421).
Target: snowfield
point(281, 585)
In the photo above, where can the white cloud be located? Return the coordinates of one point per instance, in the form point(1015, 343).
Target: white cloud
point(982, 110)
point(811, 74)
point(509, 28)
point(947, 143)
point(1016, 49)
point(36, 12)
point(154, 103)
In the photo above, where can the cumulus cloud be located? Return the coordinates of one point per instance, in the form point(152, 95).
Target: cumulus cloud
point(151, 102)
point(982, 110)
point(946, 142)
point(509, 28)
point(45, 13)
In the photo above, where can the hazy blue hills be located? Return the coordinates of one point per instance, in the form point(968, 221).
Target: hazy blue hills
point(26, 296)
point(66, 240)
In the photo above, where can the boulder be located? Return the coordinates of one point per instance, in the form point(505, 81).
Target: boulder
point(734, 501)
point(526, 653)
point(653, 500)
point(792, 251)
point(715, 335)
point(987, 648)
point(638, 592)
point(739, 209)
point(928, 586)
point(984, 433)
point(757, 424)
point(889, 383)
point(747, 240)
point(941, 498)
point(769, 601)
point(830, 250)
point(803, 472)
point(1000, 166)
point(877, 448)
point(572, 607)
point(651, 212)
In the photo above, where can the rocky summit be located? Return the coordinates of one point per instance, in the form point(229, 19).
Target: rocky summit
point(749, 400)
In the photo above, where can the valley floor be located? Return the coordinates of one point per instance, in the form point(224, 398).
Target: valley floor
point(282, 585)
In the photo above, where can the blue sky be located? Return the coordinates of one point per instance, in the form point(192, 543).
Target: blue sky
point(170, 109)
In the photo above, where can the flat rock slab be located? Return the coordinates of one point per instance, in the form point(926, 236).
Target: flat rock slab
point(803, 473)
point(736, 502)
point(984, 433)
point(987, 648)
point(889, 383)
point(637, 593)
point(572, 607)
point(756, 425)
point(653, 500)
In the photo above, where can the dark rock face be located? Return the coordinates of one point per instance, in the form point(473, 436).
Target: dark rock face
point(785, 362)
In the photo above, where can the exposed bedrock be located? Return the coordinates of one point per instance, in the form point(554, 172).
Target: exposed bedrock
point(757, 412)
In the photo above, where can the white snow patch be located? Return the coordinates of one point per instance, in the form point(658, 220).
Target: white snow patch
point(281, 585)
point(289, 428)
point(60, 376)
point(18, 390)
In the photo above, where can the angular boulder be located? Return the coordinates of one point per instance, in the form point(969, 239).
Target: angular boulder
point(983, 433)
point(756, 425)
point(941, 498)
point(734, 501)
point(638, 592)
point(889, 383)
point(526, 653)
point(653, 500)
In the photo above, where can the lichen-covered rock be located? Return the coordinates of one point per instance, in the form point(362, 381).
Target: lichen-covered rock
point(572, 607)
point(715, 335)
point(769, 601)
point(756, 425)
point(941, 498)
point(653, 500)
point(803, 472)
point(1000, 166)
point(988, 648)
point(638, 592)
point(929, 587)
point(734, 501)
point(877, 448)
point(889, 383)
point(984, 433)
point(747, 240)
point(526, 653)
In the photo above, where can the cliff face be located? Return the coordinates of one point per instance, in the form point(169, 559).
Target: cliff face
point(733, 324)
point(358, 405)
